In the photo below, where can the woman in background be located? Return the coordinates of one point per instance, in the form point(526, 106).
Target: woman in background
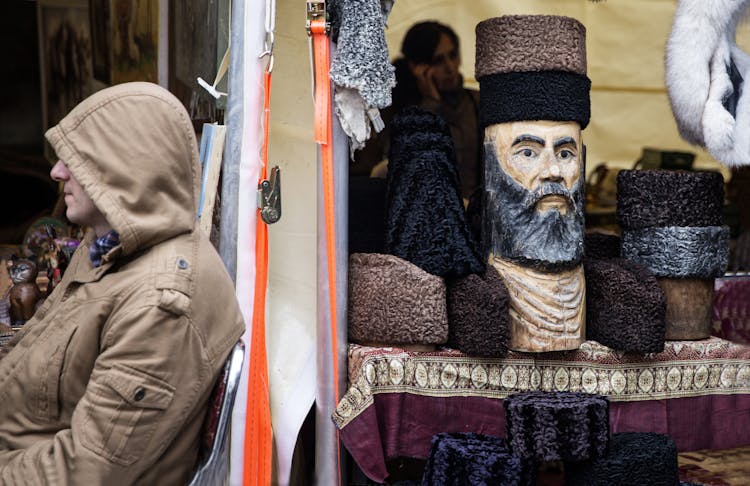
point(427, 75)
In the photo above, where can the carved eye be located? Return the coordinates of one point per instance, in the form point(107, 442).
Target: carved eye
point(565, 154)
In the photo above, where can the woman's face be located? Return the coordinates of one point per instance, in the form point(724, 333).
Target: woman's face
point(445, 62)
point(443, 67)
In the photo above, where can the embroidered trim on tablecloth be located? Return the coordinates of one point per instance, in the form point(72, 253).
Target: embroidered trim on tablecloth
point(685, 369)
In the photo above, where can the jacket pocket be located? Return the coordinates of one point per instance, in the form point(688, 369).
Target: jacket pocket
point(45, 370)
point(122, 411)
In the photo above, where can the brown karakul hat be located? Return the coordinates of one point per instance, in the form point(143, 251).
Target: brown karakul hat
point(532, 67)
point(520, 43)
point(393, 301)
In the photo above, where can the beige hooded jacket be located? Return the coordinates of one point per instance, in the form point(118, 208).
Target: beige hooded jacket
point(108, 383)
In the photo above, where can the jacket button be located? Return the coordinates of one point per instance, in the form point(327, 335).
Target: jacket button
point(182, 264)
point(140, 393)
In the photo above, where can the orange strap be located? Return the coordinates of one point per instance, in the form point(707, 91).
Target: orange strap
point(258, 432)
point(323, 136)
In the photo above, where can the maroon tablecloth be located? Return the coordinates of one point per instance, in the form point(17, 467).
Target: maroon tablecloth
point(731, 317)
point(698, 392)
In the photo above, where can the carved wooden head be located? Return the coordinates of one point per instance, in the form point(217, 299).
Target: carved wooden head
point(535, 193)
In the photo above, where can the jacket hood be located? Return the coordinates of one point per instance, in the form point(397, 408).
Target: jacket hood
point(132, 149)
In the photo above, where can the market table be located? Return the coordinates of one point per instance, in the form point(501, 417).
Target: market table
point(698, 392)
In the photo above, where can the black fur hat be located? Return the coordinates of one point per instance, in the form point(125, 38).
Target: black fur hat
point(478, 314)
point(642, 458)
point(472, 459)
point(425, 222)
point(553, 426)
point(625, 306)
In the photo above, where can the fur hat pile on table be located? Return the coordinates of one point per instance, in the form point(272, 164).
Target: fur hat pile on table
point(553, 426)
point(705, 74)
point(399, 298)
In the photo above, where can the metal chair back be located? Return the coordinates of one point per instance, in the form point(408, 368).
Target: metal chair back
point(213, 462)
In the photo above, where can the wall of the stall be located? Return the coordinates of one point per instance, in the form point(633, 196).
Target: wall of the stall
point(625, 47)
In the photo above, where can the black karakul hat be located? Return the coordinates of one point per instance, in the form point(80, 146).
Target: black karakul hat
point(425, 220)
point(471, 459)
point(643, 458)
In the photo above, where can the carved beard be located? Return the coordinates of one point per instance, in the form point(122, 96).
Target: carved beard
point(513, 228)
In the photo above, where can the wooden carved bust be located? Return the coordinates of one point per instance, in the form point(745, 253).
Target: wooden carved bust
point(534, 227)
point(25, 293)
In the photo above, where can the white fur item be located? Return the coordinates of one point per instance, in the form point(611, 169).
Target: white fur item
point(700, 49)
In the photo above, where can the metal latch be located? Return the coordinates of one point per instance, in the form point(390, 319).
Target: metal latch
point(269, 197)
point(317, 11)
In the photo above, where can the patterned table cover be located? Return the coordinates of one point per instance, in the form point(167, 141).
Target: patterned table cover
point(398, 399)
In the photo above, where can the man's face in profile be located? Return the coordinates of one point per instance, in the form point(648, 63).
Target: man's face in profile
point(535, 192)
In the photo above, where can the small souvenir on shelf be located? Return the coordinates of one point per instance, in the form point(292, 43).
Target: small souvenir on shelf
point(56, 256)
point(25, 294)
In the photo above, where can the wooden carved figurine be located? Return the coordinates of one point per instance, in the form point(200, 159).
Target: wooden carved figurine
point(534, 103)
point(25, 293)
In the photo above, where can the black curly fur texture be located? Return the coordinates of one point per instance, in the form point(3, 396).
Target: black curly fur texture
point(625, 306)
point(553, 426)
point(425, 221)
point(642, 458)
point(679, 252)
point(468, 459)
point(601, 245)
point(478, 320)
point(659, 198)
point(534, 95)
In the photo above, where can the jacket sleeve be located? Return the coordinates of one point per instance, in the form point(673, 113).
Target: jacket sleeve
point(150, 376)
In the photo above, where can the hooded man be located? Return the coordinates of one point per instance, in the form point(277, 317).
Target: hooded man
point(109, 382)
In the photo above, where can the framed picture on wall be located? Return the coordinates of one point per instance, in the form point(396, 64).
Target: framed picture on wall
point(64, 57)
point(135, 40)
point(101, 39)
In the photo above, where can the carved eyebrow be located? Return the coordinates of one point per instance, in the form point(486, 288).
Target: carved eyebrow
point(528, 138)
point(565, 141)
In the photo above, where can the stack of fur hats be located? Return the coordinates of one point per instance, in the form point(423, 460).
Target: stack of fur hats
point(553, 426)
point(399, 297)
point(671, 224)
point(532, 67)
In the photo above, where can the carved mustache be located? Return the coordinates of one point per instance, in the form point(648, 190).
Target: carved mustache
point(548, 189)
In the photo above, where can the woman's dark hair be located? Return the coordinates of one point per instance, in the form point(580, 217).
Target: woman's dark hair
point(422, 39)
point(418, 47)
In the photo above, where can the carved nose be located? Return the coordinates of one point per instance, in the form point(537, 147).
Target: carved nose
point(551, 171)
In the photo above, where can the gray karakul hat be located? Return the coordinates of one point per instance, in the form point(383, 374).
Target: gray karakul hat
point(532, 67)
point(393, 301)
